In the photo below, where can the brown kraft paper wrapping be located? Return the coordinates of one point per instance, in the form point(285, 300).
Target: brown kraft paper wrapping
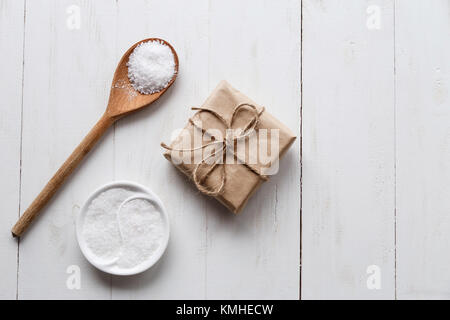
point(242, 179)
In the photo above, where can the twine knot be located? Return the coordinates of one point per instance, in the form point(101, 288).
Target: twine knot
point(228, 143)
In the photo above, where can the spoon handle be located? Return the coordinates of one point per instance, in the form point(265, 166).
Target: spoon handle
point(61, 175)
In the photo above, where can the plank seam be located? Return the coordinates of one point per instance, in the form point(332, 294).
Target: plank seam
point(205, 265)
point(21, 139)
point(301, 144)
point(395, 158)
point(116, 3)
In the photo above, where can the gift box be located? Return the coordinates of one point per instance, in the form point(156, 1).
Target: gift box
point(229, 147)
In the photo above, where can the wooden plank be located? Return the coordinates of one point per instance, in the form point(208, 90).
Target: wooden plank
point(255, 45)
point(348, 150)
point(138, 155)
point(423, 148)
point(67, 79)
point(11, 44)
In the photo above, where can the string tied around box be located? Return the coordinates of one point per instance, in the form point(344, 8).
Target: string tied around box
point(227, 143)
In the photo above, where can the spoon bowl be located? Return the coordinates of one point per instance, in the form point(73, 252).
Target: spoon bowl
point(123, 97)
point(123, 100)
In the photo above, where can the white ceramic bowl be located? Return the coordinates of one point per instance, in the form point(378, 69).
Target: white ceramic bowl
point(112, 268)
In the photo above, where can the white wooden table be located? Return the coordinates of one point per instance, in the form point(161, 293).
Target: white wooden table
point(360, 207)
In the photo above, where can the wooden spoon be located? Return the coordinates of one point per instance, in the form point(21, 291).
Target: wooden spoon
point(123, 99)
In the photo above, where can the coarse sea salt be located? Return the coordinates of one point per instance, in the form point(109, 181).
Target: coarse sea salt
point(151, 66)
point(121, 231)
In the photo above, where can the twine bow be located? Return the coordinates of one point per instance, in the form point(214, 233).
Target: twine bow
point(227, 143)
